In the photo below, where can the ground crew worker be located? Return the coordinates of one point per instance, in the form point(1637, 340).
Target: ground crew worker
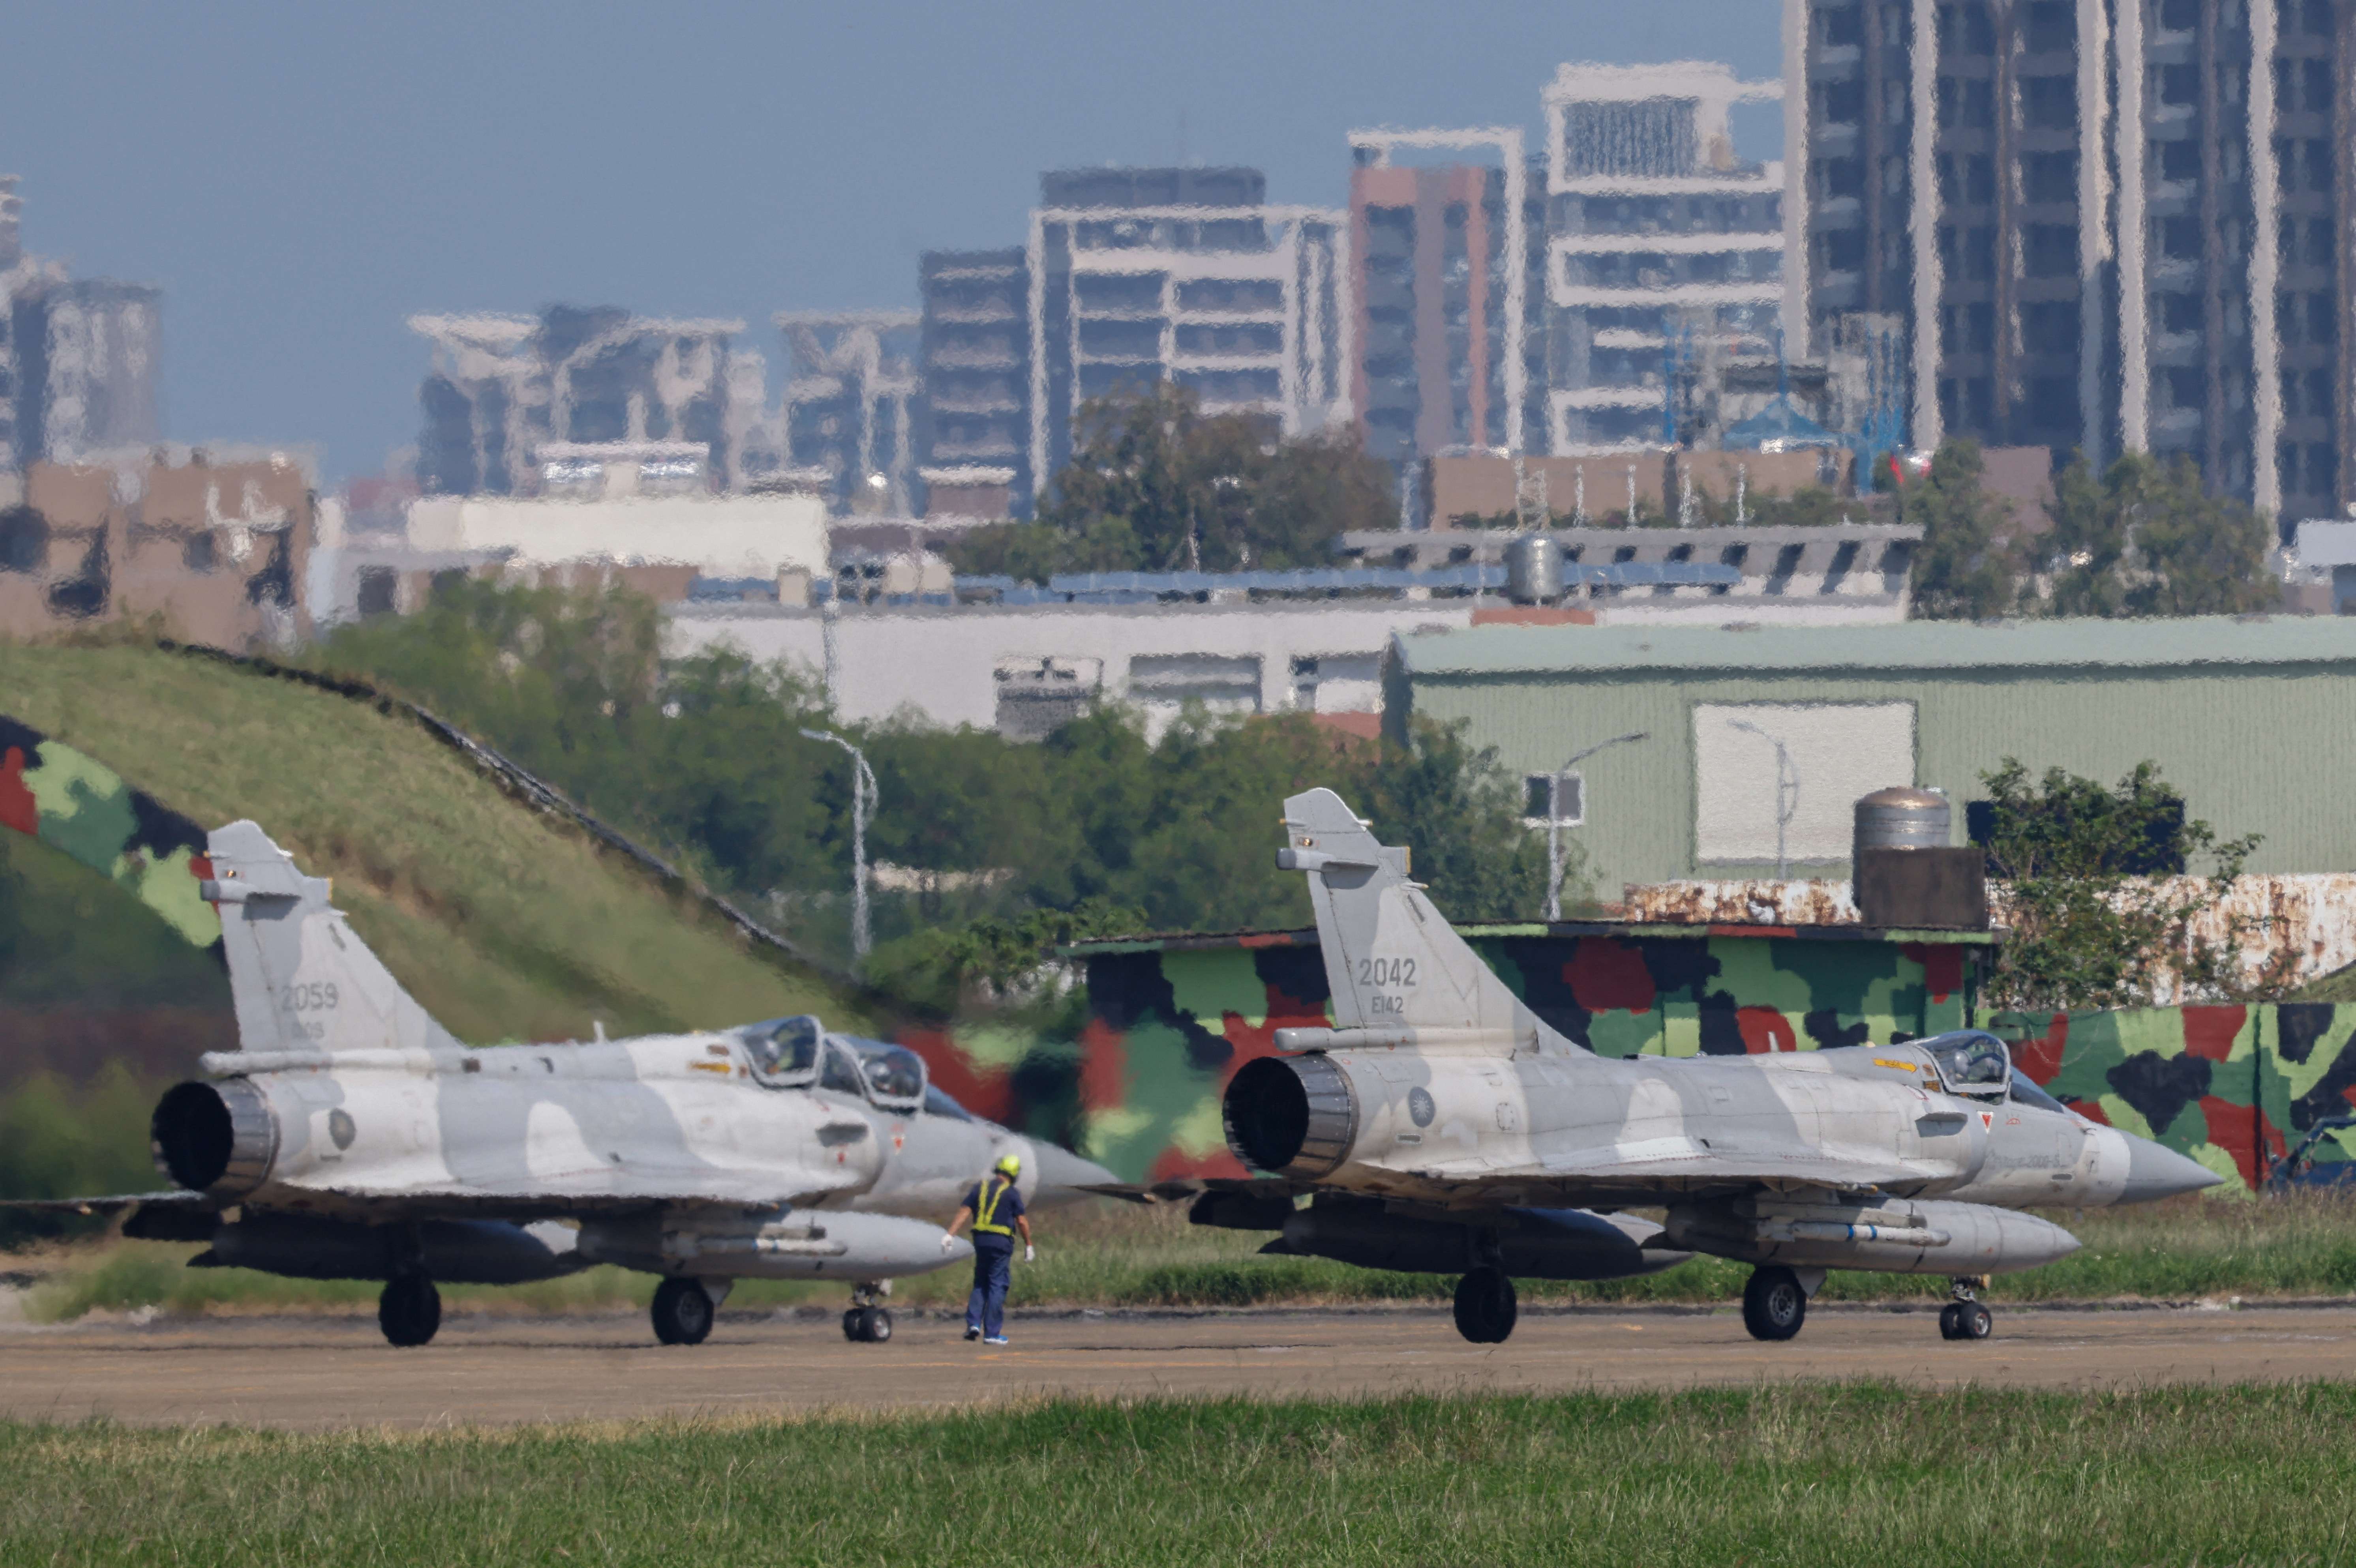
point(996, 1210)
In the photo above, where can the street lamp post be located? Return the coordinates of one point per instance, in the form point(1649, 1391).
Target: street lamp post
point(863, 800)
point(1554, 818)
point(1787, 790)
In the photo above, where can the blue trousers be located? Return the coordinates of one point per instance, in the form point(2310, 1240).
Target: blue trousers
point(993, 1270)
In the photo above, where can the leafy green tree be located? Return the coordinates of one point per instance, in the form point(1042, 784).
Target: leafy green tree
point(2098, 914)
point(1460, 815)
point(1965, 568)
point(1154, 484)
point(2147, 539)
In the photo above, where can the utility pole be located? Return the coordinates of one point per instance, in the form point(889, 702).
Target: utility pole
point(1787, 791)
point(1554, 818)
point(863, 800)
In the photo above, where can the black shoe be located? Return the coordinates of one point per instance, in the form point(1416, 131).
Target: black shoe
point(971, 1335)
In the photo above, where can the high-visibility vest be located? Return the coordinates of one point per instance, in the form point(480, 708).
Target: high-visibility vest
point(993, 1191)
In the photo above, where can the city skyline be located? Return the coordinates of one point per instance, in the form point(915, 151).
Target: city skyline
point(441, 161)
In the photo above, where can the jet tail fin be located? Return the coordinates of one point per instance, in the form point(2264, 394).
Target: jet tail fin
point(299, 976)
point(1392, 960)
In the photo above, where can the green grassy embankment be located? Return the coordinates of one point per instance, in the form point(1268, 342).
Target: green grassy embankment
point(505, 923)
point(1123, 1256)
point(1864, 1474)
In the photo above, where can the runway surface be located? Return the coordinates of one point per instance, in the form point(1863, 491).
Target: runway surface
point(323, 1372)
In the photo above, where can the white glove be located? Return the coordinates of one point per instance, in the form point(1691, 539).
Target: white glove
point(1030, 1253)
point(947, 1242)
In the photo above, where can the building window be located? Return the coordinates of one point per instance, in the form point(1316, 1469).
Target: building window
point(1553, 800)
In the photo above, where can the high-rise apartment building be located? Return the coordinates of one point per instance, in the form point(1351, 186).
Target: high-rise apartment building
point(78, 356)
point(1188, 275)
point(1443, 258)
point(1662, 245)
point(849, 402)
point(2106, 225)
point(503, 386)
point(973, 422)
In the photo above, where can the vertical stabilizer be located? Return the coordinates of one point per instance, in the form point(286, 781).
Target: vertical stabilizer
point(300, 977)
point(1393, 961)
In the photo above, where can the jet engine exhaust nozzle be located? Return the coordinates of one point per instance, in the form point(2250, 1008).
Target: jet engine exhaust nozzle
point(219, 1139)
point(1291, 1115)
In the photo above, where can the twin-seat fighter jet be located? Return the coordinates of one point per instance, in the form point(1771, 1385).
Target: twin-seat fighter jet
point(1442, 1125)
point(352, 1137)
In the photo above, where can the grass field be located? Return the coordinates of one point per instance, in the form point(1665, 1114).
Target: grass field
point(1121, 1255)
point(503, 925)
point(1824, 1476)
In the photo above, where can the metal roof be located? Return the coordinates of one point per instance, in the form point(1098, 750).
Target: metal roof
point(1213, 941)
point(1910, 645)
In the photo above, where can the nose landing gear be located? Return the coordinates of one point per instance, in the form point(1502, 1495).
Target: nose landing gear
point(684, 1310)
point(1486, 1307)
point(1964, 1317)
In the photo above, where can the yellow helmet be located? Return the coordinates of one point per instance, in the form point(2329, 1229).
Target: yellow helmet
point(1009, 1166)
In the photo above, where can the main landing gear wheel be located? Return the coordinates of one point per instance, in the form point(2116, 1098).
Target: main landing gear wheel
point(683, 1311)
point(1486, 1307)
point(409, 1310)
point(1773, 1305)
point(867, 1325)
point(1964, 1317)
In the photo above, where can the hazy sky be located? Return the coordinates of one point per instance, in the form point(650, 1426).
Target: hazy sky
point(300, 178)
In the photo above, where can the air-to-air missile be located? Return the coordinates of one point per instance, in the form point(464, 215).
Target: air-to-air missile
point(353, 1137)
point(1439, 1124)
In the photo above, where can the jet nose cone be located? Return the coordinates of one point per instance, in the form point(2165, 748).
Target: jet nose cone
point(2155, 1172)
point(1062, 1174)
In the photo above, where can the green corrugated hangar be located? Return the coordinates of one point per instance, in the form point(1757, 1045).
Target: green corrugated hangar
point(2252, 719)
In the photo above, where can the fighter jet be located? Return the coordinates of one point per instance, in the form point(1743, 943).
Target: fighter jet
point(352, 1137)
point(1442, 1114)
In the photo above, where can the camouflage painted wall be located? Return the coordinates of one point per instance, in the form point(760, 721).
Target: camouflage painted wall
point(1171, 1021)
point(2237, 1088)
point(82, 807)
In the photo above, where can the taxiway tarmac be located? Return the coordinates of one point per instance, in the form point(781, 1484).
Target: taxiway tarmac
point(323, 1372)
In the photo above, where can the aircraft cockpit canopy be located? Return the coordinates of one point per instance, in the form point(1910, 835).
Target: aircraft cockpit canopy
point(1970, 1062)
point(892, 1075)
point(782, 1051)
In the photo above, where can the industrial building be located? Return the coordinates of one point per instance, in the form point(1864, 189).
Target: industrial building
point(2104, 225)
point(1446, 273)
point(2246, 717)
point(1662, 246)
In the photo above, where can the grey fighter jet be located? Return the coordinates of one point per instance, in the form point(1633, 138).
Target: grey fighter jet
point(1440, 1111)
point(353, 1137)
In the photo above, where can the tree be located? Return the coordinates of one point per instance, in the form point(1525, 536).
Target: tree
point(2099, 914)
point(1964, 568)
point(1156, 485)
point(2147, 539)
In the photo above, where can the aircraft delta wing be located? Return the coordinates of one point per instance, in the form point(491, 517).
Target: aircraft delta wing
point(352, 1136)
point(1439, 1098)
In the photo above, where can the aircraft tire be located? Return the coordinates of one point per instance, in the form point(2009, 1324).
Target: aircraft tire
point(1486, 1307)
point(876, 1327)
point(1950, 1320)
point(1773, 1305)
point(682, 1311)
point(1974, 1321)
point(409, 1310)
point(851, 1327)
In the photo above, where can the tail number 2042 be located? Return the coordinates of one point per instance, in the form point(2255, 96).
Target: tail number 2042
point(1377, 974)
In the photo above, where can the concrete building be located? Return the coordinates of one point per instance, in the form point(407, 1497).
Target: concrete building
point(1932, 704)
point(1447, 273)
point(1139, 276)
point(973, 426)
point(1022, 670)
point(849, 402)
point(214, 546)
point(503, 386)
point(2107, 225)
point(77, 356)
point(1661, 244)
